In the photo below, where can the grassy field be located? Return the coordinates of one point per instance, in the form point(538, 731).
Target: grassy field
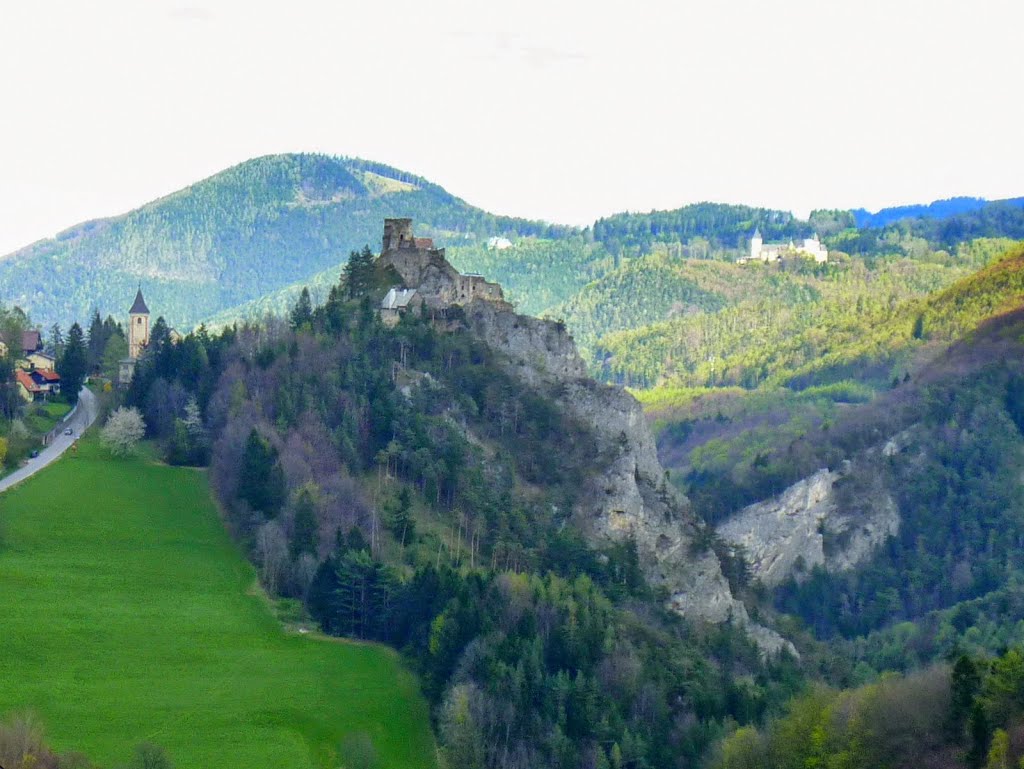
point(43, 417)
point(128, 615)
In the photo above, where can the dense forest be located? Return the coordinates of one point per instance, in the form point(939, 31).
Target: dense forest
point(707, 228)
point(939, 209)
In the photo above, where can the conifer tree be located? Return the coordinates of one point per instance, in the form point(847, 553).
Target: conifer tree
point(97, 340)
point(358, 272)
point(74, 364)
point(304, 529)
point(302, 313)
point(57, 340)
point(401, 522)
point(261, 480)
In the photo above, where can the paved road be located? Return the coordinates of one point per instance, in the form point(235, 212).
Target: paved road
point(84, 415)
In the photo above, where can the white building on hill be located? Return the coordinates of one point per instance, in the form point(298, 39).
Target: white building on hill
point(771, 252)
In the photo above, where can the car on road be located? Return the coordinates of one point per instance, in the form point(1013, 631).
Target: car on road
point(69, 431)
point(34, 454)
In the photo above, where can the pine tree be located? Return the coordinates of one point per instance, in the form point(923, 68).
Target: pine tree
point(304, 527)
point(302, 313)
point(358, 272)
point(74, 364)
point(159, 335)
point(261, 480)
point(401, 521)
point(97, 341)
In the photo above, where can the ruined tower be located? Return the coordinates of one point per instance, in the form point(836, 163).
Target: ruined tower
point(397, 234)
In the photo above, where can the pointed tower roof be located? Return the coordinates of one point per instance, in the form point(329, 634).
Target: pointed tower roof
point(757, 232)
point(139, 305)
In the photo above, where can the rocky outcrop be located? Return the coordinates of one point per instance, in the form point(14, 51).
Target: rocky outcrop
point(811, 524)
point(626, 495)
point(542, 351)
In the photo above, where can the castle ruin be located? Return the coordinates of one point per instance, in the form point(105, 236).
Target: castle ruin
point(427, 277)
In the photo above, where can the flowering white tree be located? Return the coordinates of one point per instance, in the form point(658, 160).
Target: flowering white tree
point(123, 431)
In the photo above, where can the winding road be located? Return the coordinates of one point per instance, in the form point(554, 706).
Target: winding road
point(82, 417)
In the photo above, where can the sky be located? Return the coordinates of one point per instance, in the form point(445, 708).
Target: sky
point(563, 111)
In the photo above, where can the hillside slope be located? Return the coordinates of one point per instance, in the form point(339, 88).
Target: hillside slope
point(129, 616)
point(909, 500)
point(232, 238)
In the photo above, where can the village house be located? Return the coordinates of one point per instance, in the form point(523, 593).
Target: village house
point(40, 360)
point(37, 384)
point(31, 341)
point(397, 302)
point(35, 373)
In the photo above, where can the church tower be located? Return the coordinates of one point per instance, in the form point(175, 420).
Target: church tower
point(755, 244)
point(138, 326)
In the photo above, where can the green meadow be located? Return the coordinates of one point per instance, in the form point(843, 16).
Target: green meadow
point(128, 615)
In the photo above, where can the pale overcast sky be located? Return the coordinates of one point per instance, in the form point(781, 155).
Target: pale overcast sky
point(564, 111)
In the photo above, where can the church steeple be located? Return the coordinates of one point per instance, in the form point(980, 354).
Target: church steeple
point(139, 305)
point(755, 244)
point(138, 326)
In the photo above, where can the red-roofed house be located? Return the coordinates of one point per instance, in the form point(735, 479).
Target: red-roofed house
point(27, 388)
point(37, 384)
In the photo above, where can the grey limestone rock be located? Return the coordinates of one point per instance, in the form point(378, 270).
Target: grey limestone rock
point(626, 495)
point(807, 525)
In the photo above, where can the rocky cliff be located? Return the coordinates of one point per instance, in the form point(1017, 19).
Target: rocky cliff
point(835, 520)
point(626, 494)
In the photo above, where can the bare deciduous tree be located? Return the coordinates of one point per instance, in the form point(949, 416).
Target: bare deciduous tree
point(272, 554)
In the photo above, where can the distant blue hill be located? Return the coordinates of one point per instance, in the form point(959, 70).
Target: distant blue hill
point(939, 209)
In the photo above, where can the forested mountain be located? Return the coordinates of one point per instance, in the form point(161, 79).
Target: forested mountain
point(235, 237)
point(398, 483)
point(715, 323)
point(244, 242)
point(938, 209)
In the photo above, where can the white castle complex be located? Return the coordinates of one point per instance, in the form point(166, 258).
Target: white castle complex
point(771, 252)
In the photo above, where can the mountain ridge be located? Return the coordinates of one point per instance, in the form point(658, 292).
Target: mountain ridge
point(234, 237)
